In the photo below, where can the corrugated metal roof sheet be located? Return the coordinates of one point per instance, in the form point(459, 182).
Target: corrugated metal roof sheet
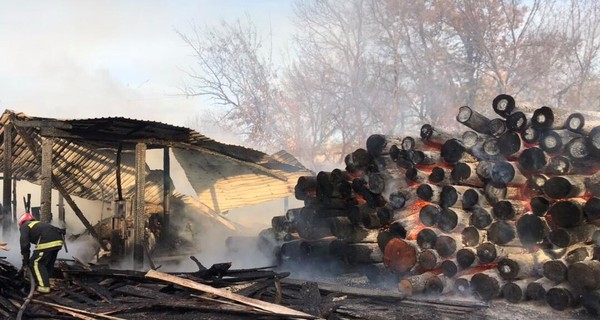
point(223, 184)
point(224, 176)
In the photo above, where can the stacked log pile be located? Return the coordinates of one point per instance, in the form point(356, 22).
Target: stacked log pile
point(508, 208)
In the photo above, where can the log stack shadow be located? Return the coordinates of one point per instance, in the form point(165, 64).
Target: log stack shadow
point(509, 208)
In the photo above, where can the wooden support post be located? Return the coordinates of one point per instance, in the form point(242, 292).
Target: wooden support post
point(139, 214)
point(61, 209)
point(46, 181)
point(7, 176)
point(167, 191)
point(14, 200)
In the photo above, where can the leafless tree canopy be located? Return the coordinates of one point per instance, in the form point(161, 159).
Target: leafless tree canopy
point(360, 67)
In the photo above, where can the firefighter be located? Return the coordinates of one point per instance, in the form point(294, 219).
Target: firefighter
point(48, 240)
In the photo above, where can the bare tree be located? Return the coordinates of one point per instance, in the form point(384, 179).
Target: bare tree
point(386, 66)
point(233, 68)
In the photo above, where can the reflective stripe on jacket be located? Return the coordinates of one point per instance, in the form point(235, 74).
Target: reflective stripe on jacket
point(44, 235)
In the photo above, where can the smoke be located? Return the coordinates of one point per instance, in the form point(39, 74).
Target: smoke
point(85, 248)
point(12, 238)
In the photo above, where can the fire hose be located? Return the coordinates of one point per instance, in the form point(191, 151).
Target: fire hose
point(30, 295)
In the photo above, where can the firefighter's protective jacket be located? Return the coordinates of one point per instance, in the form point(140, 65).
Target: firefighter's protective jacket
point(44, 235)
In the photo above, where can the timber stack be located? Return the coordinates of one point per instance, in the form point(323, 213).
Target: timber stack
point(508, 208)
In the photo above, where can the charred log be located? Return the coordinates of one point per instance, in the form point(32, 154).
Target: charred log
point(454, 151)
point(537, 289)
point(508, 209)
point(452, 219)
point(414, 284)
point(592, 208)
point(473, 120)
point(429, 259)
point(489, 253)
point(439, 175)
point(539, 205)
point(515, 291)
point(519, 266)
point(562, 296)
point(433, 136)
point(465, 257)
point(567, 213)
point(561, 187)
point(577, 149)
point(563, 238)
point(509, 143)
point(439, 284)
point(502, 232)
point(585, 275)
point(543, 118)
point(378, 144)
point(517, 122)
point(473, 198)
point(507, 173)
point(446, 246)
point(504, 105)
point(486, 285)
point(472, 237)
point(557, 269)
point(480, 218)
point(466, 173)
point(429, 215)
point(449, 268)
point(530, 135)
point(532, 229)
point(426, 238)
point(497, 127)
point(532, 159)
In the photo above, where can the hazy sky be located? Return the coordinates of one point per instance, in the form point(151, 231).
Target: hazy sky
point(80, 59)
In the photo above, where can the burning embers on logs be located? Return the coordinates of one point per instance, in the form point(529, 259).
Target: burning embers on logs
point(508, 208)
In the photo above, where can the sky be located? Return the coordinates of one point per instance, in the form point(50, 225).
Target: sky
point(82, 59)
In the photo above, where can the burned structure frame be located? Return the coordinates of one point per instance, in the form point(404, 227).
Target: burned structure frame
point(105, 159)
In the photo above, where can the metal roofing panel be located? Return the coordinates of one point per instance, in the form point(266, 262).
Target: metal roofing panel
point(223, 184)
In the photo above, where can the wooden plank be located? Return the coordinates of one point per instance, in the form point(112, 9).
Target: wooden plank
point(250, 290)
point(7, 305)
point(64, 301)
point(228, 295)
point(95, 289)
point(80, 314)
point(80, 297)
point(144, 293)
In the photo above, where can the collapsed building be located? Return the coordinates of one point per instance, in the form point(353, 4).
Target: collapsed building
point(104, 159)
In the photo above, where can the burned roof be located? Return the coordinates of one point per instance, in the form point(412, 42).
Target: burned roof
point(84, 160)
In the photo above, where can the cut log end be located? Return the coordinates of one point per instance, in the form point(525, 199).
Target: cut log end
point(399, 255)
point(449, 268)
point(485, 286)
point(503, 105)
point(555, 270)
